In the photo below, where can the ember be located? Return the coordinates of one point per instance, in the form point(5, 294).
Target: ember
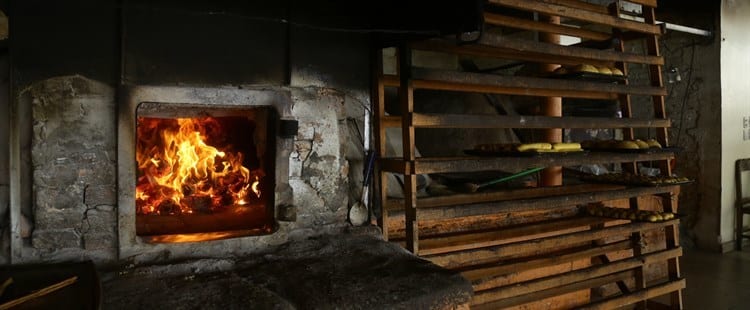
point(186, 166)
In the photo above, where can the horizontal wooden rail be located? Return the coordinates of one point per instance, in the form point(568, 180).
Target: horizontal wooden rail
point(487, 277)
point(524, 205)
point(528, 86)
point(474, 163)
point(539, 246)
point(567, 278)
point(422, 120)
point(473, 240)
point(651, 292)
point(520, 23)
point(524, 299)
point(578, 4)
point(579, 14)
point(562, 51)
point(504, 195)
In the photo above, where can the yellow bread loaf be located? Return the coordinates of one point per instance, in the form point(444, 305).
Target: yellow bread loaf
point(534, 147)
point(566, 146)
point(604, 70)
point(653, 143)
point(627, 145)
point(641, 144)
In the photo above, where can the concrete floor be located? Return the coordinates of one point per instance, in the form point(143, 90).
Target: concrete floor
point(717, 281)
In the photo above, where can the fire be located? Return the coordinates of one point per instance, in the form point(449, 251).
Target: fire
point(180, 173)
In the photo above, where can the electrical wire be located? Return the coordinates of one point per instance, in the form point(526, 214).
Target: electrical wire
point(687, 94)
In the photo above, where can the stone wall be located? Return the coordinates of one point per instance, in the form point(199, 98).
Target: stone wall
point(73, 149)
point(74, 168)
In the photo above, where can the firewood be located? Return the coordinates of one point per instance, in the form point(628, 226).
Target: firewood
point(39, 293)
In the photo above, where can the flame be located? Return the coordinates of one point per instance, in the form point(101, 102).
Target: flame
point(180, 173)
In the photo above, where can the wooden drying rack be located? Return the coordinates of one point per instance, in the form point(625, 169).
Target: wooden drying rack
point(486, 257)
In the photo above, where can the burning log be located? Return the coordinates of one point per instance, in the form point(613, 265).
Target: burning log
point(236, 218)
point(168, 207)
point(199, 203)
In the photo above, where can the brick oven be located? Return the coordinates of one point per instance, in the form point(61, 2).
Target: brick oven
point(193, 143)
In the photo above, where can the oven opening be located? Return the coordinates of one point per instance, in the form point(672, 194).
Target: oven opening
point(204, 174)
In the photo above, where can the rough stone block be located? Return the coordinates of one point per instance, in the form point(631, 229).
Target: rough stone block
point(53, 218)
point(55, 239)
point(102, 219)
point(100, 241)
point(69, 197)
point(101, 195)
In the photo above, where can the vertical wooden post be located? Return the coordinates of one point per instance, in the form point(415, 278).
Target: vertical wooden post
point(406, 101)
point(669, 202)
point(378, 110)
point(551, 106)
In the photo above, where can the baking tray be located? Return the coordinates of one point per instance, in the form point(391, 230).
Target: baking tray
point(592, 179)
point(523, 154)
point(637, 151)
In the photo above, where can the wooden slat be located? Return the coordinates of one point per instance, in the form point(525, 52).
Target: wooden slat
point(464, 199)
point(390, 80)
point(520, 300)
point(520, 23)
point(526, 85)
point(651, 3)
point(395, 165)
point(651, 292)
point(514, 90)
point(539, 246)
point(486, 278)
point(390, 121)
point(466, 241)
point(502, 53)
point(533, 204)
point(562, 51)
point(579, 5)
point(527, 121)
point(578, 14)
point(573, 276)
point(470, 164)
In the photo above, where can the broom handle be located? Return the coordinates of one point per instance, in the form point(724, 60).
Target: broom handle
point(511, 177)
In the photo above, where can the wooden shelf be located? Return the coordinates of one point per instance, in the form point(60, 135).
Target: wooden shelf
point(627, 299)
point(539, 246)
point(568, 278)
point(520, 23)
point(473, 163)
point(425, 120)
point(582, 285)
point(504, 195)
point(578, 14)
point(524, 86)
point(485, 277)
point(438, 209)
point(470, 232)
point(474, 240)
point(496, 46)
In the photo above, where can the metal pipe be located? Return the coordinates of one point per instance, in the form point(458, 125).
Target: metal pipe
point(670, 26)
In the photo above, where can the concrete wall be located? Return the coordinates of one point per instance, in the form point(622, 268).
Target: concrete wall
point(735, 110)
point(693, 104)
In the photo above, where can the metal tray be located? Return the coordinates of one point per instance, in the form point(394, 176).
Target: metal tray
point(523, 154)
point(638, 151)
